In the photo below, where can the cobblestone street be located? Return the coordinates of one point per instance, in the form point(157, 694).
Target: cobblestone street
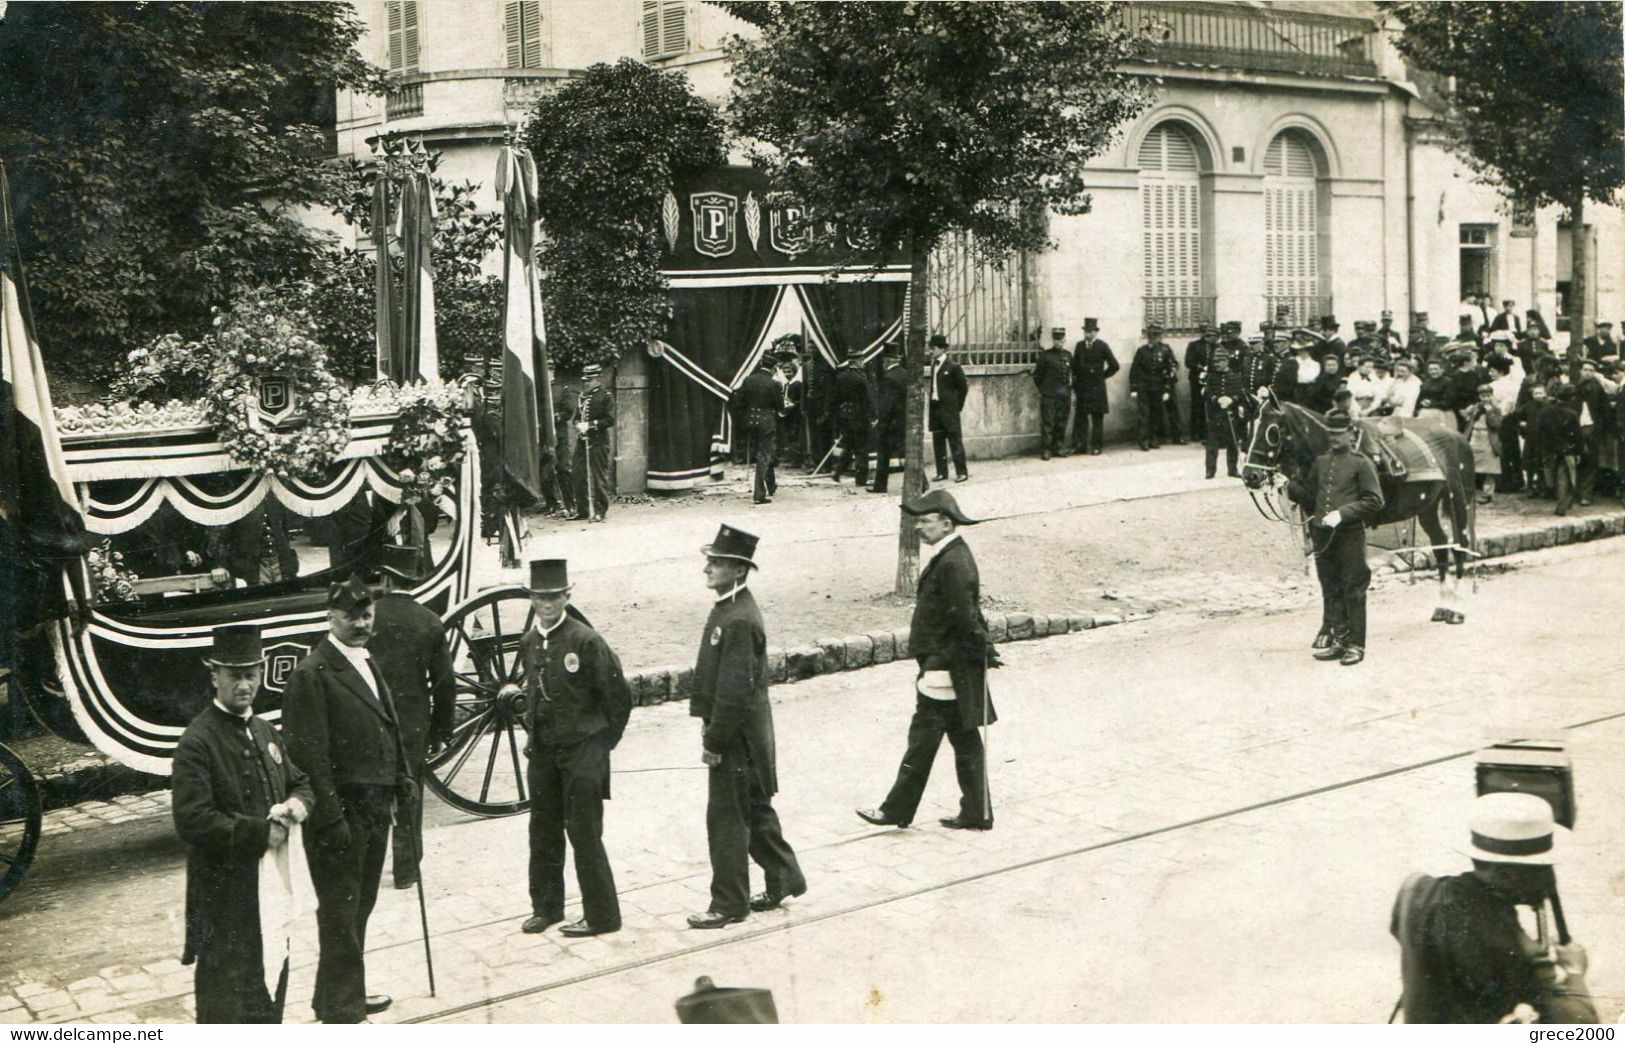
point(1186, 801)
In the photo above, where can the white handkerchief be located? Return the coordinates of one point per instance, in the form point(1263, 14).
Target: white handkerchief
point(936, 684)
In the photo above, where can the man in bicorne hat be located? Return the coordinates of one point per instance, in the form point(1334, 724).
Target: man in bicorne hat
point(593, 417)
point(237, 795)
point(948, 638)
point(577, 705)
point(1341, 495)
point(1464, 957)
point(730, 698)
point(409, 645)
point(341, 727)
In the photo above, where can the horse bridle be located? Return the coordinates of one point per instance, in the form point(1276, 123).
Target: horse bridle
point(1274, 512)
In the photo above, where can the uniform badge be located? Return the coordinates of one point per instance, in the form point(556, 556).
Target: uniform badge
point(716, 636)
point(276, 752)
point(572, 662)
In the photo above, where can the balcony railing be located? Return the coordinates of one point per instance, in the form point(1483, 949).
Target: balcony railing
point(1179, 314)
point(1259, 39)
point(1297, 311)
point(519, 93)
point(404, 103)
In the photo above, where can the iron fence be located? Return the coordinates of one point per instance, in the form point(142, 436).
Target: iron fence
point(1258, 38)
point(985, 306)
point(1179, 314)
point(1297, 311)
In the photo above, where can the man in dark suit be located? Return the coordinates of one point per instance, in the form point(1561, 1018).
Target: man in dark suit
point(1507, 319)
point(946, 398)
point(1092, 365)
point(730, 698)
point(948, 639)
point(577, 705)
point(890, 427)
point(256, 549)
point(759, 401)
point(1053, 375)
point(1331, 343)
point(409, 646)
point(231, 816)
point(852, 405)
point(342, 731)
point(1196, 353)
point(594, 416)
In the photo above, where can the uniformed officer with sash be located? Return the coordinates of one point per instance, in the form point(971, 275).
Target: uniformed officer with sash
point(577, 705)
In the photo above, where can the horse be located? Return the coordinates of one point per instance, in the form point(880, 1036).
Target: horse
point(1420, 466)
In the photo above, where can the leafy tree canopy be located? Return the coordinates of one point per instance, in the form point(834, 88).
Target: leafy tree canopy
point(158, 155)
point(906, 120)
point(608, 146)
point(1537, 106)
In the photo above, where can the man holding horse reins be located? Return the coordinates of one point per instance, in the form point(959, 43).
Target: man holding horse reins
point(1341, 494)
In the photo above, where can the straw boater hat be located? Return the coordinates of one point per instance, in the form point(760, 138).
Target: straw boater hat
point(733, 544)
point(1514, 828)
point(549, 576)
point(938, 501)
point(236, 644)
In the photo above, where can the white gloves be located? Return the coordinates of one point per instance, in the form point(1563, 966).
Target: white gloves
point(1331, 518)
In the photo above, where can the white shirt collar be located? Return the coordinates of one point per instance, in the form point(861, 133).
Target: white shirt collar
point(356, 656)
point(244, 716)
point(929, 552)
point(547, 632)
point(731, 594)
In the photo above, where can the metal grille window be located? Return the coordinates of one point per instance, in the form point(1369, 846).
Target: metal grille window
point(1291, 227)
point(665, 28)
point(522, 27)
point(402, 25)
point(1171, 226)
point(989, 314)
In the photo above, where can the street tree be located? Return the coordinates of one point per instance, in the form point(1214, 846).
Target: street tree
point(160, 155)
point(902, 123)
point(608, 146)
point(1535, 104)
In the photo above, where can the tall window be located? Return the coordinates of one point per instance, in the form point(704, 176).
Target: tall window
point(1477, 261)
point(1292, 275)
point(522, 25)
point(1171, 226)
point(665, 28)
point(402, 19)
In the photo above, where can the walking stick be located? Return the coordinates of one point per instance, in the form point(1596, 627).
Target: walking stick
point(816, 471)
point(416, 831)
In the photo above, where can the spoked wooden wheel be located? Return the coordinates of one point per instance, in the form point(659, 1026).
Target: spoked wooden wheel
point(19, 820)
point(482, 769)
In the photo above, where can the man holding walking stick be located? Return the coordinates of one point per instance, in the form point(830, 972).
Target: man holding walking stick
point(594, 416)
point(948, 638)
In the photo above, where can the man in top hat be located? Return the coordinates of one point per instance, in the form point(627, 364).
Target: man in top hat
point(853, 407)
point(236, 796)
point(1053, 375)
point(890, 426)
point(594, 415)
point(947, 392)
point(1341, 495)
point(759, 401)
point(1392, 342)
point(1152, 374)
point(1464, 957)
point(1092, 365)
point(341, 728)
point(577, 703)
point(730, 698)
point(1330, 342)
point(948, 638)
point(1196, 353)
point(409, 646)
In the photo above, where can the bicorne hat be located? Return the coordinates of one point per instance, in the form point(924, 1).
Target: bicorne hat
point(938, 501)
point(403, 561)
point(733, 544)
point(236, 644)
point(549, 576)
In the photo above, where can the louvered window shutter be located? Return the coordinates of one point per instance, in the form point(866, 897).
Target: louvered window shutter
point(1291, 232)
point(651, 29)
point(393, 20)
point(513, 34)
point(522, 25)
point(1170, 214)
point(402, 23)
point(673, 27)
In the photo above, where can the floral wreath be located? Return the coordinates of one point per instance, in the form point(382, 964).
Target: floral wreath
point(425, 447)
point(113, 580)
point(258, 340)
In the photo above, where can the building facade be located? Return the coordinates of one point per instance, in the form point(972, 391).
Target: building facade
point(1291, 160)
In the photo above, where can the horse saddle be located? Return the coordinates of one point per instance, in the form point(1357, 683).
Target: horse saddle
point(1399, 452)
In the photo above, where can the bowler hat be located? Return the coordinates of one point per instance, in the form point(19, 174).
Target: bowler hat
point(236, 644)
point(1514, 828)
point(709, 1005)
point(350, 596)
point(1091, 326)
point(402, 560)
point(1339, 420)
point(549, 576)
point(938, 340)
point(938, 501)
point(734, 544)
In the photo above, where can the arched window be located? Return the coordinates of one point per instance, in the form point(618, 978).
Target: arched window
point(1171, 164)
point(1294, 275)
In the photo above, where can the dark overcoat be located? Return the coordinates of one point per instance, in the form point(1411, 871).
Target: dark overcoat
point(730, 686)
point(1053, 372)
point(760, 401)
point(409, 646)
point(226, 778)
point(948, 631)
point(1092, 365)
point(952, 387)
point(893, 399)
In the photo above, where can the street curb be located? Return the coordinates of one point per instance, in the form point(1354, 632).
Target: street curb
point(95, 778)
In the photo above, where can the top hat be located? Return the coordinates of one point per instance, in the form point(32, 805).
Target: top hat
point(709, 1005)
point(1514, 828)
point(591, 369)
point(402, 560)
point(236, 644)
point(938, 501)
point(1339, 420)
point(350, 596)
point(549, 576)
point(892, 349)
point(938, 340)
point(1091, 326)
point(1328, 322)
point(734, 544)
point(1531, 313)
